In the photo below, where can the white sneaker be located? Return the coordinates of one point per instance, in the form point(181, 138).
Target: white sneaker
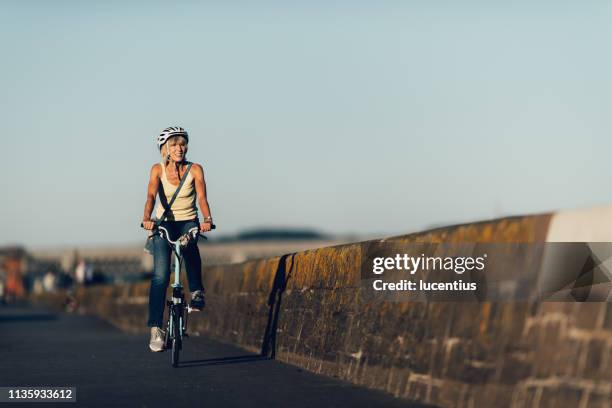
point(157, 339)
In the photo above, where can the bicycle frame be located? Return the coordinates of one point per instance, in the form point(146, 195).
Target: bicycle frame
point(178, 300)
point(177, 318)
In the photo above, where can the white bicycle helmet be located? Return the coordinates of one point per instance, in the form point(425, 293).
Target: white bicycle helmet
point(169, 132)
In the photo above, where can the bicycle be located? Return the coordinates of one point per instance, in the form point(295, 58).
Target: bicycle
point(176, 327)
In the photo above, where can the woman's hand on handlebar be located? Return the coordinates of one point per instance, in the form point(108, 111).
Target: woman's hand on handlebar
point(148, 225)
point(205, 226)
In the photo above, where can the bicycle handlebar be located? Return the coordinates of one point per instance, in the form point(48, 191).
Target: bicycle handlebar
point(212, 226)
point(193, 232)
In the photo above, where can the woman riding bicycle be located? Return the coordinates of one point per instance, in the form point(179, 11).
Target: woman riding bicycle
point(179, 218)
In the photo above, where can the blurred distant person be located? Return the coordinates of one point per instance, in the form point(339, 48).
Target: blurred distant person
point(49, 282)
point(178, 219)
point(14, 288)
point(83, 273)
point(79, 272)
point(37, 286)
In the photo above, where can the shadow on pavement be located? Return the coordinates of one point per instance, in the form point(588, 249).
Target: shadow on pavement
point(27, 318)
point(223, 360)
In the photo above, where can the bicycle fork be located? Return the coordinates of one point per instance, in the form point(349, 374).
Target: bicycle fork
point(177, 302)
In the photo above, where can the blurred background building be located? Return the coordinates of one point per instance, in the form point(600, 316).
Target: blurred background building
point(40, 270)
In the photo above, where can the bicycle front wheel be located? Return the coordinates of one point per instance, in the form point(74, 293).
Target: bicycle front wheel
point(176, 341)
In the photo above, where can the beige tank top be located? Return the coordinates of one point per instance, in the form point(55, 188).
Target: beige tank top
point(184, 206)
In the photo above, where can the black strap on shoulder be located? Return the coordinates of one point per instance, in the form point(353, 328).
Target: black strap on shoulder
point(167, 209)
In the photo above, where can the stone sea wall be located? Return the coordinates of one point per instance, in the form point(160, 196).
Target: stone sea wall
point(308, 309)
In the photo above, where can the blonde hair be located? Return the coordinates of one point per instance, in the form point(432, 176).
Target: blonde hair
point(165, 148)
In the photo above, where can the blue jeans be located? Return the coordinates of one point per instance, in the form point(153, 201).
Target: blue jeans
point(161, 268)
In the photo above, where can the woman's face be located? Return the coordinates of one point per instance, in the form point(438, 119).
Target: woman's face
point(177, 148)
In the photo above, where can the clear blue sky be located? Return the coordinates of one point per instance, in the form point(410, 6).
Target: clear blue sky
point(385, 117)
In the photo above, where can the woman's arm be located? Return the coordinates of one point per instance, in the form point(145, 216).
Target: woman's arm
point(200, 185)
point(151, 193)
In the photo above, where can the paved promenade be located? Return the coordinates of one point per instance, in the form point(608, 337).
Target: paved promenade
point(112, 368)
